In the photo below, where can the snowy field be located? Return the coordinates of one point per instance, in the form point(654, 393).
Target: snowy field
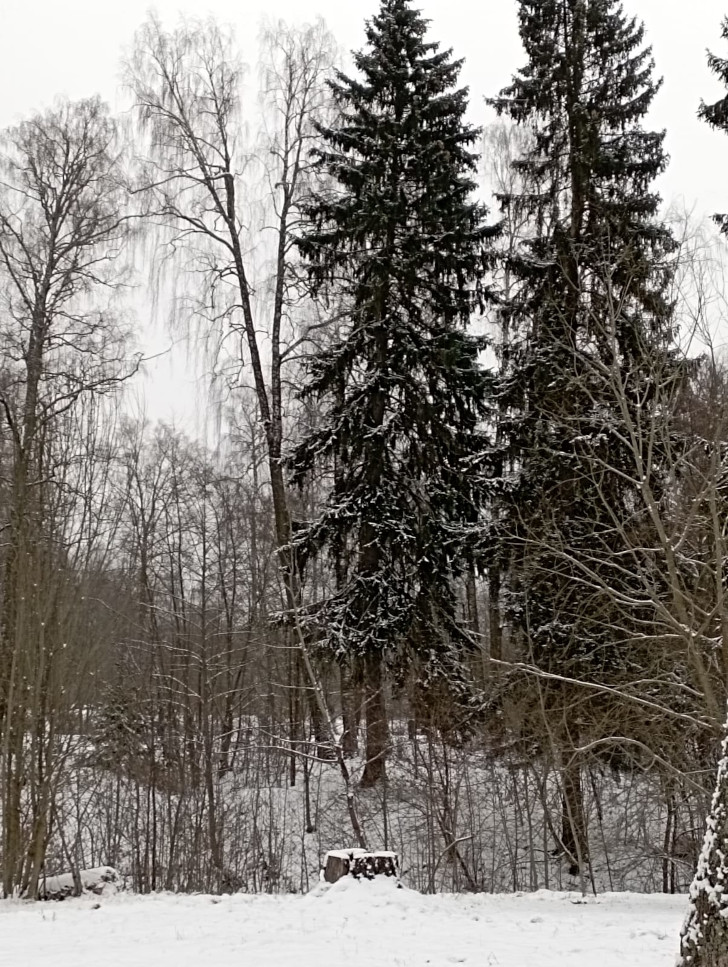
point(351, 923)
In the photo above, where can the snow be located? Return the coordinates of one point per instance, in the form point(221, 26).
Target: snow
point(353, 922)
point(345, 854)
point(100, 879)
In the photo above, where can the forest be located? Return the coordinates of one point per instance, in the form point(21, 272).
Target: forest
point(450, 578)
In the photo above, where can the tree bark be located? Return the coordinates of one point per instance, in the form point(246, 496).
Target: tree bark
point(494, 614)
point(472, 601)
point(350, 712)
point(573, 818)
point(704, 936)
point(377, 728)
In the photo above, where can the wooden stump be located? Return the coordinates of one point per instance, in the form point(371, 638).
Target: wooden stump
point(360, 864)
point(338, 863)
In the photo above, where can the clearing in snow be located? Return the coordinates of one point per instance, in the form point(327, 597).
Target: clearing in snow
point(353, 922)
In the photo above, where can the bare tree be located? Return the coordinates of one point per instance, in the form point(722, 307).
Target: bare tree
point(186, 86)
point(62, 228)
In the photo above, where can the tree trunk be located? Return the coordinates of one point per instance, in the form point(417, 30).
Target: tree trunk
point(323, 741)
point(704, 936)
point(573, 818)
point(494, 614)
point(471, 597)
point(377, 729)
point(350, 712)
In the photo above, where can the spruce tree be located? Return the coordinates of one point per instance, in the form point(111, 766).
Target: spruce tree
point(716, 114)
point(587, 314)
point(400, 243)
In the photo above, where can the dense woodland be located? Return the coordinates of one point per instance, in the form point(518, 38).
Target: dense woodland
point(451, 579)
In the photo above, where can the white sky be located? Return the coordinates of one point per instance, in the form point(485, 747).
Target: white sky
point(74, 47)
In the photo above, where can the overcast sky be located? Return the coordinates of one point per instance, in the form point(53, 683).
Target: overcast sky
point(74, 47)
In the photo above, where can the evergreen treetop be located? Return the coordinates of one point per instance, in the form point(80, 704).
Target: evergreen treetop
point(401, 243)
point(716, 114)
point(588, 319)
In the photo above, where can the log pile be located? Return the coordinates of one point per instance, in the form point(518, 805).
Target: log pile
point(360, 864)
point(100, 880)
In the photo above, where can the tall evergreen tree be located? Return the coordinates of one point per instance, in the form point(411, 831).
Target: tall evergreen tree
point(401, 242)
point(589, 331)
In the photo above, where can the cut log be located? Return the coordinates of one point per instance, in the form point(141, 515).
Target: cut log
point(360, 864)
point(100, 880)
point(369, 865)
point(338, 863)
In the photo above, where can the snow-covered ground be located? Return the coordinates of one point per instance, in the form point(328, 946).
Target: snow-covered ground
point(351, 923)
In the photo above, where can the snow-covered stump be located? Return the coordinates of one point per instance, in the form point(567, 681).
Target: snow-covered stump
point(360, 864)
point(99, 880)
point(338, 863)
point(704, 936)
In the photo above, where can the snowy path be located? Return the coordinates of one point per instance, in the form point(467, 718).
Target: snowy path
point(351, 923)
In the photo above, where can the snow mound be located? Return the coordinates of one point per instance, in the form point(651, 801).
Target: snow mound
point(358, 894)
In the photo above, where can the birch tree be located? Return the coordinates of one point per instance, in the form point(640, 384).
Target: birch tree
point(63, 226)
point(187, 90)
